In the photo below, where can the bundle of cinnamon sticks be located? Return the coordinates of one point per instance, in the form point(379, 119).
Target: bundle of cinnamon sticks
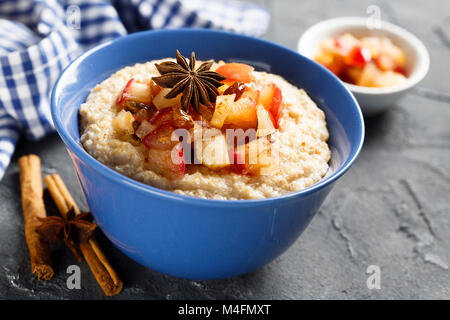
point(34, 213)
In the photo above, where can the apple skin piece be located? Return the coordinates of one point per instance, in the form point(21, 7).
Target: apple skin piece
point(168, 163)
point(358, 57)
point(236, 72)
point(160, 138)
point(271, 98)
point(123, 95)
point(162, 116)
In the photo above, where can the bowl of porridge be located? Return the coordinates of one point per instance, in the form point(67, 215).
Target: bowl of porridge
point(204, 154)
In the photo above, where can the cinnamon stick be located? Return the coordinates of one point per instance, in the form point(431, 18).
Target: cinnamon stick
point(33, 209)
point(99, 265)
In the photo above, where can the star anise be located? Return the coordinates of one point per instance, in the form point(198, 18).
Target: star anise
point(73, 229)
point(197, 85)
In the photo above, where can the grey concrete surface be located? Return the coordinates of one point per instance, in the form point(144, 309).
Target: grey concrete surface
point(390, 210)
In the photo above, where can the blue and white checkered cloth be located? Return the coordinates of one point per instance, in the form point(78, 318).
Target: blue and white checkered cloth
point(38, 38)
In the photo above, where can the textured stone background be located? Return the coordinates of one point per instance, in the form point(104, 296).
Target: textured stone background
point(391, 209)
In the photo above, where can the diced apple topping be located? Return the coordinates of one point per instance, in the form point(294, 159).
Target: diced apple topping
point(271, 99)
point(181, 119)
point(169, 163)
point(162, 116)
point(215, 151)
point(144, 129)
point(160, 138)
point(265, 123)
point(242, 113)
point(210, 110)
point(145, 113)
point(236, 72)
point(135, 95)
point(222, 109)
point(160, 102)
point(253, 157)
point(123, 123)
point(238, 114)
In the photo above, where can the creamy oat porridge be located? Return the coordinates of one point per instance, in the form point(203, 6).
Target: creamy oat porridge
point(220, 131)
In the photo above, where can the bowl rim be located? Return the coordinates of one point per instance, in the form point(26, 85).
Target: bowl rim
point(423, 60)
point(117, 177)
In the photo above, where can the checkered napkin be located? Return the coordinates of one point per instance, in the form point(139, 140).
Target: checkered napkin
point(38, 38)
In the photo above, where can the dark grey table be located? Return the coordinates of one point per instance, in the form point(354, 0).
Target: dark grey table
point(391, 209)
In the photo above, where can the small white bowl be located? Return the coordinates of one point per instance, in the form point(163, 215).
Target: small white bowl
point(372, 100)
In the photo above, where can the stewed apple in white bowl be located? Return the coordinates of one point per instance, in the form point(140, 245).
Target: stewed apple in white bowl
point(378, 64)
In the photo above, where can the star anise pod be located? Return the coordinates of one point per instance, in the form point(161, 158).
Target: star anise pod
point(197, 85)
point(71, 230)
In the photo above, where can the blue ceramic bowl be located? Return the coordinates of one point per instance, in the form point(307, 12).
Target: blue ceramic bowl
point(192, 237)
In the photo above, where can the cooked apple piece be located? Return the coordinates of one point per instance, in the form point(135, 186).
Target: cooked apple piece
point(345, 43)
point(162, 116)
point(135, 93)
point(221, 110)
point(352, 74)
point(254, 157)
point(333, 62)
point(145, 113)
point(144, 129)
point(236, 72)
point(374, 44)
point(358, 57)
point(265, 122)
point(168, 163)
point(368, 75)
point(242, 113)
point(160, 102)
point(155, 88)
point(385, 62)
point(181, 119)
point(123, 122)
point(393, 51)
point(388, 78)
point(215, 151)
point(160, 138)
point(271, 99)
